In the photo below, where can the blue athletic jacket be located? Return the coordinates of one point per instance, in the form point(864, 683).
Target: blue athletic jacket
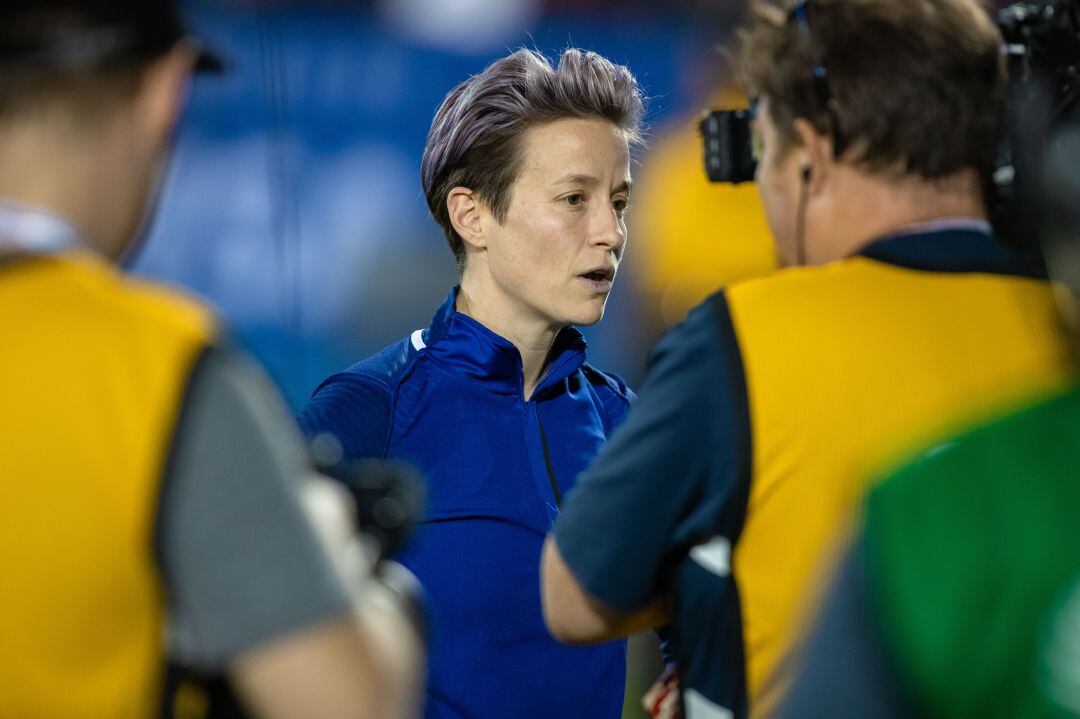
point(450, 399)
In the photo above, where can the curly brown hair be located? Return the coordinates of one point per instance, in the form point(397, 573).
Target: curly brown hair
point(916, 87)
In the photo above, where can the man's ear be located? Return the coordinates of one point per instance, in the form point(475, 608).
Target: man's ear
point(817, 151)
point(466, 215)
point(164, 89)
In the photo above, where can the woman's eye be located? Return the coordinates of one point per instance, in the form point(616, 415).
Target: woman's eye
point(575, 200)
point(620, 205)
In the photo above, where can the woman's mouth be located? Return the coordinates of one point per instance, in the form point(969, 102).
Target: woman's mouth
point(600, 279)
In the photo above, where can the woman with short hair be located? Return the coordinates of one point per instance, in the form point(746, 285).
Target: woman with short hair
point(527, 171)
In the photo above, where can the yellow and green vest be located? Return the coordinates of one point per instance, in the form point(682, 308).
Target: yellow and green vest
point(849, 368)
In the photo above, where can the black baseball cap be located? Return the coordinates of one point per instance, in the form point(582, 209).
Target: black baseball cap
point(80, 33)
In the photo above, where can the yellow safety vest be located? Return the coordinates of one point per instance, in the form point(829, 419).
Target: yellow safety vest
point(93, 370)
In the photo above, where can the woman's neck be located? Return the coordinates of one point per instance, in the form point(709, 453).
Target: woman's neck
point(531, 336)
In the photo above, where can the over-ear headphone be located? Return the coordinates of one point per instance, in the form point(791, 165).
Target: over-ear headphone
point(807, 173)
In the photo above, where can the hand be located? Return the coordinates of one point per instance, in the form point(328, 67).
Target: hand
point(662, 699)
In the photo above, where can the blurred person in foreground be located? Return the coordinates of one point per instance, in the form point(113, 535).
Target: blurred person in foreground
point(155, 506)
point(961, 596)
point(527, 172)
point(899, 319)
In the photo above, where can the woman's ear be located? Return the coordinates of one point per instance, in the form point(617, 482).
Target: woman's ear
point(466, 216)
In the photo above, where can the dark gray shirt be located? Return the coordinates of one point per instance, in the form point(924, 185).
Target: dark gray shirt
point(240, 557)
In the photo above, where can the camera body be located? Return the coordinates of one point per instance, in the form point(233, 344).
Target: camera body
point(728, 142)
point(1042, 53)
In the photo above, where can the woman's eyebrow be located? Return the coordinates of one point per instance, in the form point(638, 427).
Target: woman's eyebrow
point(576, 178)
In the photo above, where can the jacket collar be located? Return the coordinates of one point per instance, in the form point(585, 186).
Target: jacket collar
point(462, 345)
point(957, 245)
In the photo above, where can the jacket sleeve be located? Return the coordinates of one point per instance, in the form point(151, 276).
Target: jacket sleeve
point(672, 475)
point(354, 408)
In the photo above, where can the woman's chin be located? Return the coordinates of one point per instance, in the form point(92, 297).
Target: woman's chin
point(588, 315)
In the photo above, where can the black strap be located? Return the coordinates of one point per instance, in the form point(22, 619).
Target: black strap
point(190, 694)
